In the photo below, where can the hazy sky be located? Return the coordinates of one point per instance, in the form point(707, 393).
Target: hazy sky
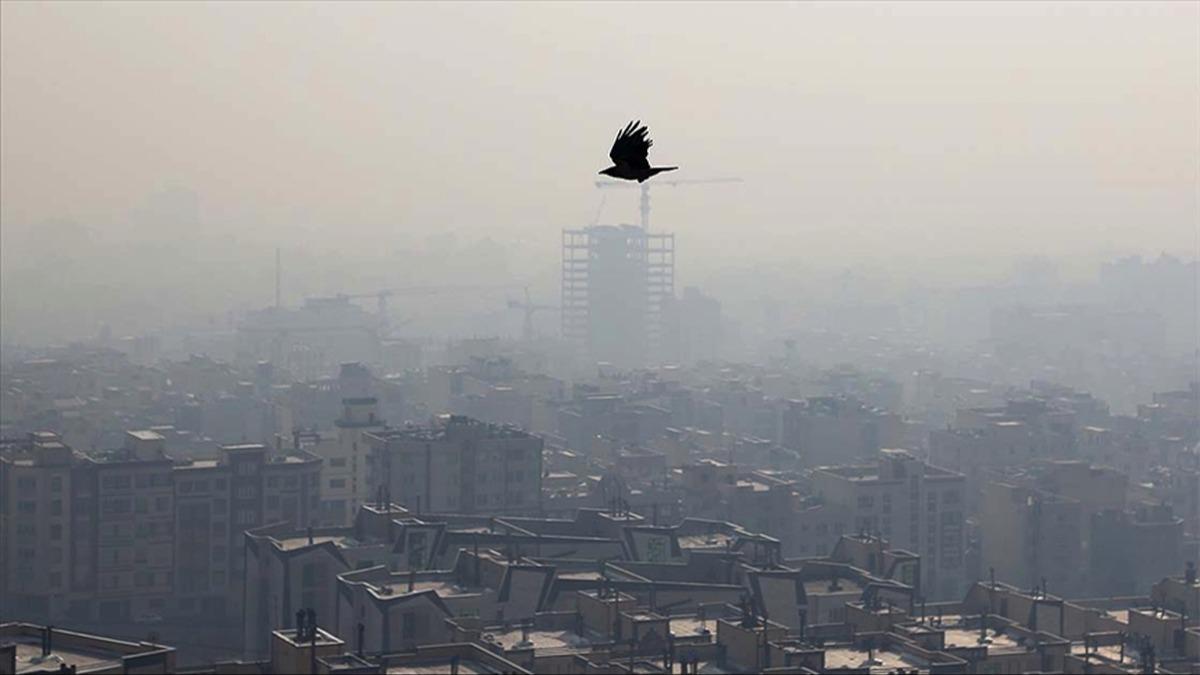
point(863, 131)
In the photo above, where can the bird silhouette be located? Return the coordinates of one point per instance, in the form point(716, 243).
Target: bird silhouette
point(629, 155)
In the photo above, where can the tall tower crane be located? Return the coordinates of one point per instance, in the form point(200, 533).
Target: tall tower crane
point(529, 308)
point(382, 296)
point(644, 204)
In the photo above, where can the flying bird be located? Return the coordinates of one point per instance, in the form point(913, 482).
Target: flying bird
point(629, 155)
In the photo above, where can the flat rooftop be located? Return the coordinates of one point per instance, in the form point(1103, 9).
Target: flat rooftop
point(691, 626)
point(293, 543)
point(398, 586)
point(1130, 656)
point(510, 639)
point(714, 540)
point(884, 661)
point(29, 657)
point(959, 634)
point(145, 435)
point(440, 667)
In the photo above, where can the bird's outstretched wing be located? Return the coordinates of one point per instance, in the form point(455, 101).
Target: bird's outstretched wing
point(631, 147)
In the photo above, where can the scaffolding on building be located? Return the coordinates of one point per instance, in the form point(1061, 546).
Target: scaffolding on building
point(616, 284)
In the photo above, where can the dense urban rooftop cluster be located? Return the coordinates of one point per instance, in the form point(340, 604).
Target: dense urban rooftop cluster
point(482, 515)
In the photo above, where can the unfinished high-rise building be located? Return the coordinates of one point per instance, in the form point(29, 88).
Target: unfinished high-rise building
point(615, 283)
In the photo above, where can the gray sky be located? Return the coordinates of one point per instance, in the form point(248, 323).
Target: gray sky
point(863, 131)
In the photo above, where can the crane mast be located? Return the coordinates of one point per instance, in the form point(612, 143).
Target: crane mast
point(644, 199)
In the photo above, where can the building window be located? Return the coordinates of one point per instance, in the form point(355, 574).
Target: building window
point(866, 502)
point(56, 484)
point(161, 504)
point(337, 462)
point(120, 505)
point(55, 532)
point(116, 482)
point(337, 483)
point(27, 507)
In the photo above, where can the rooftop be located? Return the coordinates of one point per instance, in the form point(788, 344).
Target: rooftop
point(30, 659)
point(885, 660)
point(398, 585)
point(79, 651)
point(959, 633)
point(293, 543)
point(512, 638)
point(441, 667)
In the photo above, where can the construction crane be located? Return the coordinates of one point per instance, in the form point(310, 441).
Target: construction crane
point(382, 296)
point(529, 308)
point(644, 205)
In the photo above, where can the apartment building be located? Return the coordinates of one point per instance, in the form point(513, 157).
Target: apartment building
point(129, 533)
point(344, 474)
point(914, 505)
point(458, 465)
point(1032, 538)
point(838, 430)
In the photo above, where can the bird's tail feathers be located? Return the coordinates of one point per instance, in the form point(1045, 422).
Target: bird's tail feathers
point(660, 169)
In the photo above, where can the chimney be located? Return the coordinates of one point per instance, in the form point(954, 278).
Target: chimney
point(47, 641)
point(300, 632)
point(454, 665)
point(1189, 575)
point(312, 638)
point(310, 535)
point(412, 580)
point(362, 631)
